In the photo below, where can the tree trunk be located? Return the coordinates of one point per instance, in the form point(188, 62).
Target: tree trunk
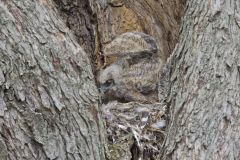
point(48, 97)
point(80, 19)
point(204, 97)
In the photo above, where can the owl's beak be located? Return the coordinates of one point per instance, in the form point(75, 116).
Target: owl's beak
point(106, 86)
point(102, 90)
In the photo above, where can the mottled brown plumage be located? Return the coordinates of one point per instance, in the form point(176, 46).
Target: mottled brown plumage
point(135, 74)
point(136, 45)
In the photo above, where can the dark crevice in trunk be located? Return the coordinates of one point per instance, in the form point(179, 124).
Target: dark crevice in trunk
point(81, 20)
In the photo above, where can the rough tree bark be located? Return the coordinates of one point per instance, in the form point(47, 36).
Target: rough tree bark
point(48, 97)
point(80, 19)
point(204, 97)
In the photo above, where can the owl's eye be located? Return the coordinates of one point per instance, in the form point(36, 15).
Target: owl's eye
point(109, 82)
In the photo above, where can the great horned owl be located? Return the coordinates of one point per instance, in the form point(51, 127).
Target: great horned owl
point(135, 73)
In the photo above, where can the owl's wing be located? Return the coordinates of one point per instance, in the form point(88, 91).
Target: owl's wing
point(143, 76)
point(133, 44)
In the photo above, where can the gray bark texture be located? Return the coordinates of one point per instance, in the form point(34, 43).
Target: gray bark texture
point(204, 95)
point(48, 97)
point(80, 19)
